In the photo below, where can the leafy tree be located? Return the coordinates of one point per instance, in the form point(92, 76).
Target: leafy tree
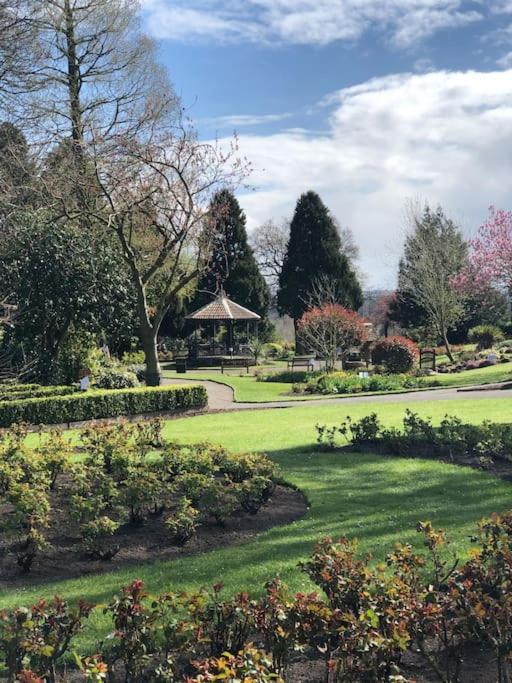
point(315, 250)
point(434, 254)
point(233, 266)
point(60, 283)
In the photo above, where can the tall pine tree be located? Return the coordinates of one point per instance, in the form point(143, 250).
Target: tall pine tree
point(233, 266)
point(315, 252)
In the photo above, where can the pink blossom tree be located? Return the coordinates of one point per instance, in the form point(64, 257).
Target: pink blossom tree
point(490, 261)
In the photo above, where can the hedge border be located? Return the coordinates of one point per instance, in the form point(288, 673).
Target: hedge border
point(37, 392)
point(99, 404)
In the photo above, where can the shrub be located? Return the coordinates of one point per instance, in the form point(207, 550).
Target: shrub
point(35, 392)
point(113, 378)
point(101, 404)
point(287, 376)
point(95, 535)
point(182, 523)
point(396, 354)
point(133, 358)
point(485, 336)
point(346, 383)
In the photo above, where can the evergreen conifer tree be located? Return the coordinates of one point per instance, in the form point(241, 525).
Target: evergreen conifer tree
point(315, 252)
point(233, 266)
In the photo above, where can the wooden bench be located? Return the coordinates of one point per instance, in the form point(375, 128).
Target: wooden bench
point(236, 363)
point(301, 362)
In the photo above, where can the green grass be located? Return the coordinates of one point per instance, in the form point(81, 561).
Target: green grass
point(376, 499)
point(495, 373)
point(246, 388)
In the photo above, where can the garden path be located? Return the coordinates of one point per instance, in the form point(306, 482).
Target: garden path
point(221, 397)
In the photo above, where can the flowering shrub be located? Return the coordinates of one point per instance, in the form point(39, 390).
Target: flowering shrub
point(396, 354)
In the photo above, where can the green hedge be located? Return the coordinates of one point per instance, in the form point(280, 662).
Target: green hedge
point(8, 387)
point(34, 392)
point(98, 404)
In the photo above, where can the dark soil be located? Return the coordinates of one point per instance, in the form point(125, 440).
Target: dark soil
point(140, 544)
point(477, 667)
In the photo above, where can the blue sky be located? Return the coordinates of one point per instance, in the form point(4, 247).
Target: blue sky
point(376, 104)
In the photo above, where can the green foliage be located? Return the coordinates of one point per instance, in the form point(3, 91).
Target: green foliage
point(64, 286)
point(182, 523)
point(95, 535)
point(434, 253)
point(347, 383)
point(314, 247)
point(113, 378)
point(35, 391)
point(287, 376)
point(101, 404)
point(133, 358)
point(418, 437)
point(485, 336)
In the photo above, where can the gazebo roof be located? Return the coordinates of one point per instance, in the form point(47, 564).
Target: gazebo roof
point(223, 308)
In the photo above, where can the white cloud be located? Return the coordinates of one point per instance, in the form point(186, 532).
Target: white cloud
point(443, 137)
point(245, 120)
point(308, 22)
point(505, 61)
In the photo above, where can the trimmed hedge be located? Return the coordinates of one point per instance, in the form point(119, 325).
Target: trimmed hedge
point(11, 386)
point(99, 404)
point(34, 391)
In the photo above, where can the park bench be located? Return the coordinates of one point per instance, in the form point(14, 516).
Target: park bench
point(236, 363)
point(306, 362)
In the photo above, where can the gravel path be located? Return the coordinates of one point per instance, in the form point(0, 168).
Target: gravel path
point(221, 397)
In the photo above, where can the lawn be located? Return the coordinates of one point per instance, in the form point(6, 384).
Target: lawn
point(375, 499)
point(495, 373)
point(248, 390)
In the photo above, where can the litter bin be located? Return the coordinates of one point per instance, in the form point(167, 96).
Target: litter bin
point(181, 365)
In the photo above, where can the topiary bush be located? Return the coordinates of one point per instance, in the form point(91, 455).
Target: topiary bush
point(396, 354)
point(485, 336)
point(100, 404)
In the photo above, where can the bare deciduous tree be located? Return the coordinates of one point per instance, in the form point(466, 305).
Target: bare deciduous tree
point(16, 37)
point(270, 242)
point(123, 158)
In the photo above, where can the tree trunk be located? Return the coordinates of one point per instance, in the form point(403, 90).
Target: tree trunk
point(447, 346)
point(298, 343)
point(153, 372)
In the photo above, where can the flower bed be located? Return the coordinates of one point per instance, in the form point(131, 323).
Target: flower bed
point(426, 616)
point(349, 383)
point(132, 497)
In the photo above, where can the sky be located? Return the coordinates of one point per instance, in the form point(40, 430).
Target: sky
point(374, 104)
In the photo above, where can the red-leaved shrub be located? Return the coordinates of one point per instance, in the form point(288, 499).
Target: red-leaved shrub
point(396, 354)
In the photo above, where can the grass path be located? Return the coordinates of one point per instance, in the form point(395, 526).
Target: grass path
point(376, 499)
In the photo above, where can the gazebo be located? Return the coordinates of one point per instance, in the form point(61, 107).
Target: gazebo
point(223, 311)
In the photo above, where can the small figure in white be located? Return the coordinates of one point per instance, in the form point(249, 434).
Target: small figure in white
point(85, 383)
